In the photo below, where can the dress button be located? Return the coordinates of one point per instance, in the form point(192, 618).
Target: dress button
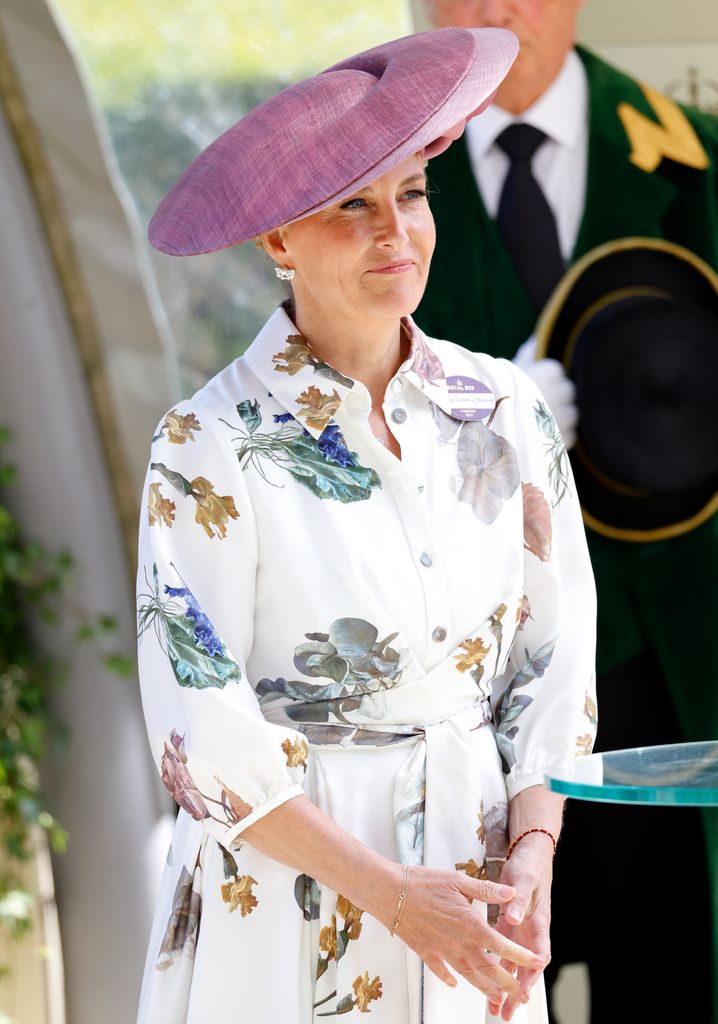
point(425, 559)
point(439, 635)
point(420, 488)
point(399, 415)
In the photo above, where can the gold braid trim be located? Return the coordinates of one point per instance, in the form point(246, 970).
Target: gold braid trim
point(673, 137)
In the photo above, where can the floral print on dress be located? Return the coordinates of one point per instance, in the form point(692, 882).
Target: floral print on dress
point(425, 363)
point(180, 937)
point(179, 783)
point(308, 895)
point(178, 428)
point(538, 527)
point(319, 407)
point(474, 650)
point(559, 473)
point(365, 992)
point(354, 666)
point(195, 650)
point(297, 752)
point(297, 354)
point(349, 633)
point(333, 941)
point(488, 470)
point(513, 704)
point(237, 891)
point(472, 657)
point(410, 809)
point(160, 510)
point(177, 780)
point(493, 834)
point(213, 510)
point(447, 426)
point(325, 465)
point(584, 742)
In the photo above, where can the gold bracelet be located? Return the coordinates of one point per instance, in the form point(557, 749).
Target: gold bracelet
point(528, 832)
point(402, 900)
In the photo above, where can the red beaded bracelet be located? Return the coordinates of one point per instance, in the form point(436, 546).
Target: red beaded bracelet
point(528, 832)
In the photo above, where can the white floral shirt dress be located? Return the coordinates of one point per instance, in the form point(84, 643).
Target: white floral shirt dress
point(408, 642)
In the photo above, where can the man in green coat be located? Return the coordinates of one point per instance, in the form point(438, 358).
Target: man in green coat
point(617, 160)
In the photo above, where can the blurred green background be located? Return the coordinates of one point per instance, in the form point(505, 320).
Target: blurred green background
point(167, 77)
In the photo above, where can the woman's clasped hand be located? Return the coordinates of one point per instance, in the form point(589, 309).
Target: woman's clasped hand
point(444, 926)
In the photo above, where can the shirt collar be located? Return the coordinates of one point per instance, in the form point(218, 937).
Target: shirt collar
point(561, 112)
point(313, 391)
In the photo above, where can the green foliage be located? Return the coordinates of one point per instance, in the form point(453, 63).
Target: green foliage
point(168, 76)
point(127, 43)
point(34, 586)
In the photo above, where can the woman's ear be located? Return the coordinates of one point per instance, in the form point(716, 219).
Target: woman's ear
point(273, 244)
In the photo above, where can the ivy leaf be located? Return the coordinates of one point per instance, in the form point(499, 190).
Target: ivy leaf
point(120, 664)
point(507, 752)
point(229, 864)
point(342, 943)
point(307, 894)
point(535, 666)
point(517, 705)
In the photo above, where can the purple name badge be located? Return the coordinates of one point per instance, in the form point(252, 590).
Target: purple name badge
point(469, 399)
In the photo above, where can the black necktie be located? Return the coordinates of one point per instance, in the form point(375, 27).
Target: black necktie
point(525, 219)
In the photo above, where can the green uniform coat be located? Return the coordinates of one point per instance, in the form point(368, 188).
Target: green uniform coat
point(661, 595)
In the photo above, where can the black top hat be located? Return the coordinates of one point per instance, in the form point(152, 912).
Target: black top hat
point(635, 324)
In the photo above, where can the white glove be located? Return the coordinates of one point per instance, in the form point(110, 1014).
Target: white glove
point(559, 391)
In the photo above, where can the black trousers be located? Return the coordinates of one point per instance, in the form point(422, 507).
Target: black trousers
point(630, 893)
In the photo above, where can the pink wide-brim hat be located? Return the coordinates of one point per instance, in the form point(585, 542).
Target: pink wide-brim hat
point(328, 136)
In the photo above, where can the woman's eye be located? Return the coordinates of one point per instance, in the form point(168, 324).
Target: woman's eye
point(416, 193)
point(353, 204)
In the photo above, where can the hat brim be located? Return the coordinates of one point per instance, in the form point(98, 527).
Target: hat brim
point(319, 141)
point(628, 317)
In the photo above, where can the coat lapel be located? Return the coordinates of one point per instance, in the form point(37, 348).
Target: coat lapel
point(621, 200)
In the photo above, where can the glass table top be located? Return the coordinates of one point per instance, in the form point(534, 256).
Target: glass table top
point(680, 773)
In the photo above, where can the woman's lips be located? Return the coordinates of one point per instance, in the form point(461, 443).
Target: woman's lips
point(400, 267)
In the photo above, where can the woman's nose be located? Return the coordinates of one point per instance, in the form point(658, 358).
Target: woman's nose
point(391, 231)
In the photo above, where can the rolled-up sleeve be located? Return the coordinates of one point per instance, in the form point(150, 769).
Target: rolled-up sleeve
point(545, 703)
point(217, 756)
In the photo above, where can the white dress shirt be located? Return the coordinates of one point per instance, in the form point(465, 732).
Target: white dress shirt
point(317, 616)
point(559, 164)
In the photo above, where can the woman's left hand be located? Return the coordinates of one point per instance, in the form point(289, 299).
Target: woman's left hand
point(527, 918)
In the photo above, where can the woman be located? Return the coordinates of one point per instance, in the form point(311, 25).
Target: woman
point(365, 646)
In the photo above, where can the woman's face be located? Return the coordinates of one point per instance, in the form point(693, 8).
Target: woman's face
point(366, 256)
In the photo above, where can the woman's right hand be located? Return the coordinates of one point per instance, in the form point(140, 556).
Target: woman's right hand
point(440, 923)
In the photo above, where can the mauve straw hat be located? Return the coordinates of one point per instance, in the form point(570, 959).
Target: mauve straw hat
point(322, 139)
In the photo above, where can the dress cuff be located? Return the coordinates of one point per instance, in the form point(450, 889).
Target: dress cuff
point(515, 784)
point(232, 833)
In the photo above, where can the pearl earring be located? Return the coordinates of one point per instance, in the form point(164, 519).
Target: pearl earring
point(284, 273)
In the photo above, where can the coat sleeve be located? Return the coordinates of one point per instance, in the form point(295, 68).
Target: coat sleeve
point(545, 703)
point(217, 756)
